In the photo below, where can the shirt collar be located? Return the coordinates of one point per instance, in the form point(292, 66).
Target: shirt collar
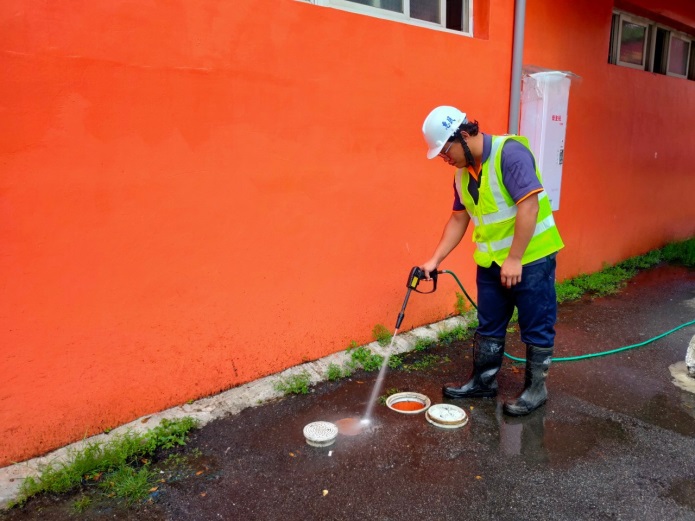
point(487, 148)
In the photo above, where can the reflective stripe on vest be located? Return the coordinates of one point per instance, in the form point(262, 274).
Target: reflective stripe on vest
point(541, 226)
point(502, 215)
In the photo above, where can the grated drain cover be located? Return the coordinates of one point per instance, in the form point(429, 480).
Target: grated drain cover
point(320, 434)
point(446, 416)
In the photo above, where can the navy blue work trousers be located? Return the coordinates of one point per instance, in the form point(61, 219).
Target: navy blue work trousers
point(534, 297)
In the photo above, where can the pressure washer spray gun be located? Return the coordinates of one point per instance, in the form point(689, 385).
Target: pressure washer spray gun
point(416, 275)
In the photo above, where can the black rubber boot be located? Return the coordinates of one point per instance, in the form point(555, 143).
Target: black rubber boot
point(535, 393)
point(487, 360)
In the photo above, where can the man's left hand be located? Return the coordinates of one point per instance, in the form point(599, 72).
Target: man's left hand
point(510, 274)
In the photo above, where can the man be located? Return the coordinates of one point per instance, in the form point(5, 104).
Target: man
point(497, 185)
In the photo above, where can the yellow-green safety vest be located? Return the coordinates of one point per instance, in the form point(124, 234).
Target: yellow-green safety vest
point(494, 216)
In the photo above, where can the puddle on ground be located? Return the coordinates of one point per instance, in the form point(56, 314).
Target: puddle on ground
point(351, 426)
point(540, 440)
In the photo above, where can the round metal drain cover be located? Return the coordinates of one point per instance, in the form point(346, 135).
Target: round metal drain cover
point(320, 434)
point(446, 416)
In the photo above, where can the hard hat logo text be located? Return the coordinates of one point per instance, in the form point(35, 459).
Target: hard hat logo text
point(449, 121)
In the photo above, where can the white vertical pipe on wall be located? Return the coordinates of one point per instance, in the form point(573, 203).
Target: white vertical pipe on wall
point(517, 62)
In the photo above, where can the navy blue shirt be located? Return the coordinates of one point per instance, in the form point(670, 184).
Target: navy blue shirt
point(518, 172)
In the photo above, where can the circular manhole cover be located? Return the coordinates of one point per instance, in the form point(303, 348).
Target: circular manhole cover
point(320, 434)
point(446, 416)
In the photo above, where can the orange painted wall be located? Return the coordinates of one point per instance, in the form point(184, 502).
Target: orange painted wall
point(196, 193)
point(627, 182)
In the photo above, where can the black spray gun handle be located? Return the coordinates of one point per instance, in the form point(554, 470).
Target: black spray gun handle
point(414, 277)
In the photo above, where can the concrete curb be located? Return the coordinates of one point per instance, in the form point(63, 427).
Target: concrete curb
point(224, 404)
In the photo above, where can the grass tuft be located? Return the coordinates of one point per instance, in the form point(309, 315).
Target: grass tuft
point(642, 262)
point(81, 504)
point(426, 362)
point(294, 384)
point(422, 344)
point(382, 335)
point(129, 484)
point(455, 334)
point(612, 278)
point(395, 362)
point(680, 252)
point(96, 458)
point(461, 306)
point(364, 358)
point(567, 291)
point(334, 372)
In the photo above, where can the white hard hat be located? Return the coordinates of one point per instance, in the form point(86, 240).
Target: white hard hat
point(439, 126)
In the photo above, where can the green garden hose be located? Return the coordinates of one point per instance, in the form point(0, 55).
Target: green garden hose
point(579, 357)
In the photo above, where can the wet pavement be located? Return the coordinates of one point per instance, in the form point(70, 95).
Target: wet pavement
point(616, 439)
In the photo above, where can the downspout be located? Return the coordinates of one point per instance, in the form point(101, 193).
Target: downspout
point(517, 62)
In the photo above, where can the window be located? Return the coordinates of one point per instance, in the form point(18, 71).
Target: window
point(445, 15)
point(643, 44)
point(632, 41)
point(678, 56)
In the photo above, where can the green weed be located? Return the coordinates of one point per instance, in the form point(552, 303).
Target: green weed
point(642, 262)
point(513, 321)
point(196, 453)
point(169, 433)
point(129, 484)
point(461, 305)
point(175, 460)
point(82, 504)
point(680, 252)
point(612, 278)
point(605, 282)
point(382, 335)
point(426, 362)
point(335, 372)
point(294, 384)
point(96, 457)
point(364, 358)
point(423, 343)
point(472, 317)
point(395, 362)
point(567, 290)
point(454, 334)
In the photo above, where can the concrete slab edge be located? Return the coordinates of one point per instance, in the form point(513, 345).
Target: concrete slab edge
point(221, 405)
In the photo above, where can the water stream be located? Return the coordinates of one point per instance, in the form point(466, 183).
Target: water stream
point(379, 382)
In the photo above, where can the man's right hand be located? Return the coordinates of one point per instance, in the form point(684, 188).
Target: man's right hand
point(428, 267)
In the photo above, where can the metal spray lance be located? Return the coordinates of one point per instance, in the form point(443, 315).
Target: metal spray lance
point(416, 275)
